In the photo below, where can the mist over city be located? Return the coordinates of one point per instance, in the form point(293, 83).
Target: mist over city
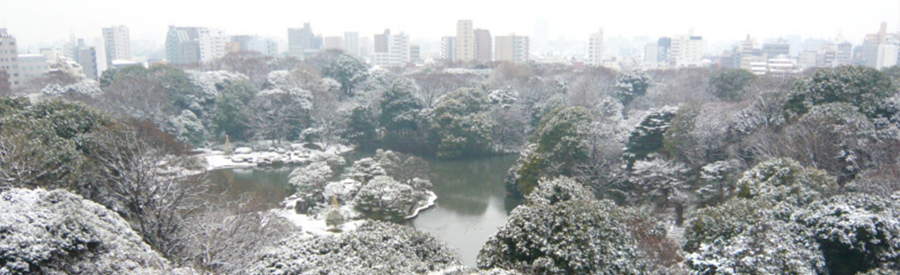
point(449, 138)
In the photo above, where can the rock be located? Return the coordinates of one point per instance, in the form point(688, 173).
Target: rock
point(243, 150)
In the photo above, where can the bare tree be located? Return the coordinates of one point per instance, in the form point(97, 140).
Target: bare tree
point(145, 186)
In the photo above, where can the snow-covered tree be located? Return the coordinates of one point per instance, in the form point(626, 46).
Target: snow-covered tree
point(855, 232)
point(373, 248)
point(864, 88)
point(730, 84)
point(384, 198)
point(57, 232)
point(660, 183)
point(561, 143)
point(550, 192)
point(630, 85)
point(310, 180)
point(571, 237)
point(786, 180)
point(349, 71)
point(463, 124)
point(364, 170)
point(279, 114)
point(647, 137)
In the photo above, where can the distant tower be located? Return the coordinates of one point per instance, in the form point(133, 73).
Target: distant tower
point(595, 49)
point(465, 41)
point(117, 42)
point(483, 45)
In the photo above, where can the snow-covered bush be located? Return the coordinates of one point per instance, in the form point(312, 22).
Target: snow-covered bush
point(386, 199)
point(571, 237)
point(57, 232)
point(345, 190)
point(550, 192)
point(373, 248)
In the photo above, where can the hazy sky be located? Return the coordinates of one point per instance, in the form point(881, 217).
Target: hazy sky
point(48, 21)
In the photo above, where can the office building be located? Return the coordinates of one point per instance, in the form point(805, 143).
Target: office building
point(302, 42)
point(484, 45)
point(9, 59)
point(32, 66)
point(448, 48)
point(334, 43)
point(465, 41)
point(415, 53)
point(512, 48)
point(253, 43)
point(193, 44)
point(351, 43)
point(396, 49)
point(595, 49)
point(117, 43)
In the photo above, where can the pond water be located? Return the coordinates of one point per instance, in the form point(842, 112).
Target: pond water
point(471, 203)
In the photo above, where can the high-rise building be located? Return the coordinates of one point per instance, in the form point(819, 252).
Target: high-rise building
point(448, 48)
point(9, 59)
point(465, 41)
point(595, 49)
point(334, 43)
point(773, 50)
point(32, 66)
point(302, 42)
point(87, 57)
point(192, 44)
point(844, 54)
point(686, 50)
point(415, 53)
point(512, 48)
point(483, 45)
point(397, 52)
point(351, 43)
point(381, 41)
point(117, 42)
point(651, 53)
point(664, 46)
point(254, 43)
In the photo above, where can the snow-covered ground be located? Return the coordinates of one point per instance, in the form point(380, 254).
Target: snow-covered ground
point(245, 157)
point(316, 226)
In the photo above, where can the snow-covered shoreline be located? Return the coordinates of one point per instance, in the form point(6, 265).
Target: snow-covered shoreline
point(432, 197)
point(245, 157)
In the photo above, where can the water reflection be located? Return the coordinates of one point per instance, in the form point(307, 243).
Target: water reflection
point(471, 203)
point(471, 198)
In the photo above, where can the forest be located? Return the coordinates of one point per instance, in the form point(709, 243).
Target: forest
point(678, 171)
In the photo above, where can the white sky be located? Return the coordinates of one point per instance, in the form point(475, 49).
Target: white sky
point(36, 22)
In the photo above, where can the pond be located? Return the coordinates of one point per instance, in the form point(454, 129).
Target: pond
point(471, 203)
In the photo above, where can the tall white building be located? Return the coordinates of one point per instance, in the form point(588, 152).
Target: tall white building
point(397, 52)
point(686, 50)
point(465, 41)
point(117, 42)
point(595, 49)
point(351, 43)
point(9, 60)
point(887, 56)
point(512, 48)
point(192, 44)
point(448, 48)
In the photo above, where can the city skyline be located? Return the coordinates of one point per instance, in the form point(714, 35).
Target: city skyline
point(57, 20)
